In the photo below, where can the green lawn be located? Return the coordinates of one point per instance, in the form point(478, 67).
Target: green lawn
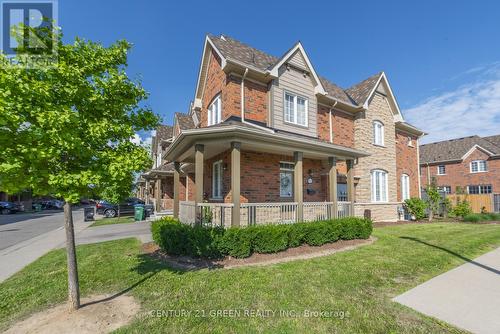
point(359, 282)
point(110, 221)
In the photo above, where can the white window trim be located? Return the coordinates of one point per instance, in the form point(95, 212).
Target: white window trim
point(217, 100)
point(217, 164)
point(478, 164)
point(382, 133)
point(295, 96)
point(373, 185)
point(438, 170)
point(405, 187)
point(291, 170)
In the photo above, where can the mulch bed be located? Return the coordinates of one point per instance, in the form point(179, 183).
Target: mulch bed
point(187, 263)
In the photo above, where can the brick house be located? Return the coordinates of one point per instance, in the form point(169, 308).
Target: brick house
point(470, 165)
point(267, 140)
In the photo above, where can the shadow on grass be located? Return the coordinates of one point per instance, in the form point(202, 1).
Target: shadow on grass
point(147, 266)
point(493, 270)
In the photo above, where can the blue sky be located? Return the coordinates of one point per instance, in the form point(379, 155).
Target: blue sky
point(442, 58)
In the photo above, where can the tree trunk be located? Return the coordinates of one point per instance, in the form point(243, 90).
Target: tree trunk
point(73, 285)
point(431, 215)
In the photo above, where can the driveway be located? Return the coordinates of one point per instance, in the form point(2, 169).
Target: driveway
point(467, 297)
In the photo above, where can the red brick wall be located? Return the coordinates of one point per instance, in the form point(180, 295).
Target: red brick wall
point(407, 163)
point(229, 86)
point(458, 174)
point(260, 178)
point(342, 126)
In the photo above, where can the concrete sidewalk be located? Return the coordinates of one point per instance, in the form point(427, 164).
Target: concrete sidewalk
point(18, 256)
point(467, 297)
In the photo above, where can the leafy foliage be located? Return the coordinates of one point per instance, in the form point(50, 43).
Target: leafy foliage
point(213, 242)
point(416, 207)
point(433, 199)
point(462, 208)
point(65, 130)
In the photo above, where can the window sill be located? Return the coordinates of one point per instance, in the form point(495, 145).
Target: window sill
point(216, 198)
point(296, 125)
point(378, 145)
point(440, 174)
point(482, 171)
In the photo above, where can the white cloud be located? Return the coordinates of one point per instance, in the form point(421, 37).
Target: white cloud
point(144, 141)
point(472, 108)
point(136, 139)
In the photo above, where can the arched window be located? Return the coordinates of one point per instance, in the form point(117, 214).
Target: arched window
point(378, 133)
point(379, 185)
point(215, 111)
point(405, 187)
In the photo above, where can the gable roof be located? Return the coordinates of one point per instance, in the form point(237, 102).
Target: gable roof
point(164, 132)
point(495, 140)
point(185, 121)
point(232, 49)
point(455, 149)
point(361, 92)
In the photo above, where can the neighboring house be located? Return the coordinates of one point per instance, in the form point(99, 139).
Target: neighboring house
point(470, 164)
point(267, 139)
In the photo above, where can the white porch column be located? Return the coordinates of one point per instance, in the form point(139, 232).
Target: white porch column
point(147, 191)
point(351, 196)
point(332, 186)
point(298, 185)
point(176, 188)
point(235, 182)
point(158, 194)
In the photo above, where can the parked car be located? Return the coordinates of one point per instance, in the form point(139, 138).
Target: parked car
point(110, 210)
point(51, 204)
point(10, 207)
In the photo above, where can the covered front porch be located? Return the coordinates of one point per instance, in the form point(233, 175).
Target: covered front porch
point(246, 176)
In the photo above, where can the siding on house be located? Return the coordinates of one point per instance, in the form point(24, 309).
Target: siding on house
point(298, 82)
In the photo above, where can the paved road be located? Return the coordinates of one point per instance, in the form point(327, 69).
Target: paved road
point(19, 227)
point(467, 296)
point(26, 237)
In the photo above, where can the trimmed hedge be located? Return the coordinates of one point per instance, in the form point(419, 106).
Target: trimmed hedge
point(215, 242)
point(480, 217)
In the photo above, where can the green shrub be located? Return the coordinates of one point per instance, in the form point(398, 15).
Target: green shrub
point(236, 242)
point(213, 242)
point(416, 207)
point(268, 238)
point(462, 209)
point(473, 218)
point(479, 217)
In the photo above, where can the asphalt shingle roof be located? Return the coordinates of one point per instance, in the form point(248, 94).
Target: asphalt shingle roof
point(238, 51)
point(185, 121)
point(455, 149)
point(164, 132)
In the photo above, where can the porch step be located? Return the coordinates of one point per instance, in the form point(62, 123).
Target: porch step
point(161, 214)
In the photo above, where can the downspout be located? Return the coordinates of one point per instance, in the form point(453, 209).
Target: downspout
point(330, 117)
point(243, 95)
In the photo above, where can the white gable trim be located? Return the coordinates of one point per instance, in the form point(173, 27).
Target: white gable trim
point(398, 117)
point(469, 152)
point(209, 45)
point(319, 89)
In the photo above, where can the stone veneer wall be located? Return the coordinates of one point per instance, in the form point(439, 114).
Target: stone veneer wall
point(381, 158)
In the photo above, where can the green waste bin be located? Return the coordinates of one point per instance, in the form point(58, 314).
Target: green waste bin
point(38, 207)
point(138, 213)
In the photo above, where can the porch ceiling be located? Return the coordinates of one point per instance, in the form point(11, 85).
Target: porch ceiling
point(218, 139)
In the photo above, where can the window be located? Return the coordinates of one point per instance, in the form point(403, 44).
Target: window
point(478, 166)
point(480, 189)
point(215, 111)
point(445, 189)
point(295, 109)
point(286, 179)
point(378, 133)
point(342, 192)
point(441, 170)
point(405, 187)
point(379, 186)
point(217, 179)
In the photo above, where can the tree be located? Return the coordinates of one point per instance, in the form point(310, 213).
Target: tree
point(65, 129)
point(433, 199)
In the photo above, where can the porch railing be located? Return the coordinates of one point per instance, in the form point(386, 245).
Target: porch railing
point(187, 212)
point(268, 213)
point(219, 214)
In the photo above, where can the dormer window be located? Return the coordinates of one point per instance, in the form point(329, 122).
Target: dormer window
point(215, 111)
point(378, 133)
point(478, 166)
point(295, 109)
